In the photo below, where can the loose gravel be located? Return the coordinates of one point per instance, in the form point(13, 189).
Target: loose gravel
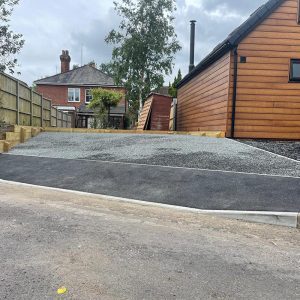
point(289, 149)
point(166, 150)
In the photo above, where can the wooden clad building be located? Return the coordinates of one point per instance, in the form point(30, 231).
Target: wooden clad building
point(249, 86)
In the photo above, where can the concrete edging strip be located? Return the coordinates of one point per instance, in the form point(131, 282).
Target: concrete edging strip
point(288, 219)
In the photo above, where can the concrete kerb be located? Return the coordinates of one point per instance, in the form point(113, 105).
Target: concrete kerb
point(287, 219)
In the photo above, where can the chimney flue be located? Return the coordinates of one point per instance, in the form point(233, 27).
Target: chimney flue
point(65, 61)
point(192, 46)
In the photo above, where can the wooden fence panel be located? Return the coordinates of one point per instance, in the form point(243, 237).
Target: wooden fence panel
point(53, 117)
point(59, 119)
point(69, 122)
point(20, 105)
point(47, 112)
point(24, 105)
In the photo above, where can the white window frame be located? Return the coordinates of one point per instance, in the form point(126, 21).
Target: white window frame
point(86, 96)
point(74, 94)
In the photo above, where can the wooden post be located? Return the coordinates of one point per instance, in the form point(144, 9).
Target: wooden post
point(108, 121)
point(18, 103)
point(22, 135)
point(42, 111)
point(31, 108)
point(6, 146)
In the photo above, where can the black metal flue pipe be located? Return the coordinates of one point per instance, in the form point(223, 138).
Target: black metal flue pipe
point(192, 46)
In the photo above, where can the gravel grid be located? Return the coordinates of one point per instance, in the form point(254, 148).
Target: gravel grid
point(166, 150)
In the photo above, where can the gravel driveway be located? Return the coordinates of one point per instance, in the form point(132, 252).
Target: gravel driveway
point(167, 150)
point(289, 149)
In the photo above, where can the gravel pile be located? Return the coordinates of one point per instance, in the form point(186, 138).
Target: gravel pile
point(168, 150)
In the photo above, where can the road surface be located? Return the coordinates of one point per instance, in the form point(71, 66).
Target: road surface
point(101, 249)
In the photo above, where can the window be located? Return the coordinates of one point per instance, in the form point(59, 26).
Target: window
point(88, 96)
point(295, 70)
point(74, 95)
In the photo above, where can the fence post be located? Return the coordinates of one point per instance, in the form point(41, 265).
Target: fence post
point(56, 117)
point(42, 111)
point(18, 103)
point(31, 108)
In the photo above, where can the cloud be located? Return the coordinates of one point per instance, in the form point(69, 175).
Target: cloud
point(49, 26)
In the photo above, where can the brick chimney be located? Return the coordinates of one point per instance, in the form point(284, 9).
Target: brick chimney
point(65, 61)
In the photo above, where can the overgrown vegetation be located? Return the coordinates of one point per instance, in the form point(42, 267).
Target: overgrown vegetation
point(10, 42)
point(144, 47)
point(101, 103)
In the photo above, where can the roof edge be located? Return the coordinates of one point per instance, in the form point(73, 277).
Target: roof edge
point(80, 84)
point(205, 63)
point(158, 94)
point(72, 70)
point(233, 40)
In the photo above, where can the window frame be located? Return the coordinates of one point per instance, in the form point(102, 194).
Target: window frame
point(291, 77)
point(86, 90)
point(74, 95)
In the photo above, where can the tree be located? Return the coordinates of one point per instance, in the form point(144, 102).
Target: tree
point(101, 103)
point(173, 86)
point(107, 69)
point(10, 42)
point(144, 47)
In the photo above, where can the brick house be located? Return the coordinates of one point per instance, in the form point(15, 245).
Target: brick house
point(71, 91)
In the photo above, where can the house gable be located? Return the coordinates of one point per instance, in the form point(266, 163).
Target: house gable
point(233, 38)
point(268, 104)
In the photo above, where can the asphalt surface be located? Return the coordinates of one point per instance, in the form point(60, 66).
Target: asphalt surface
point(167, 150)
point(106, 250)
point(176, 186)
point(172, 169)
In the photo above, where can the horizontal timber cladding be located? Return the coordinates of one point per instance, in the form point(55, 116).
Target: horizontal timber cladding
point(203, 102)
point(268, 105)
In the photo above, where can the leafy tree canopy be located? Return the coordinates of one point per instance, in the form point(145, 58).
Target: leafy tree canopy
point(107, 69)
point(173, 86)
point(10, 42)
point(102, 101)
point(144, 47)
point(104, 98)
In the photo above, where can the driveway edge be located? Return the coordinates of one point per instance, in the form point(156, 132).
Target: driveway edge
point(287, 219)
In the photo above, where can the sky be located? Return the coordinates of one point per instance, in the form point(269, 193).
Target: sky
point(49, 26)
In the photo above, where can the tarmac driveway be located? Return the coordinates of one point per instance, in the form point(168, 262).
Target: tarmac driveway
point(188, 171)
